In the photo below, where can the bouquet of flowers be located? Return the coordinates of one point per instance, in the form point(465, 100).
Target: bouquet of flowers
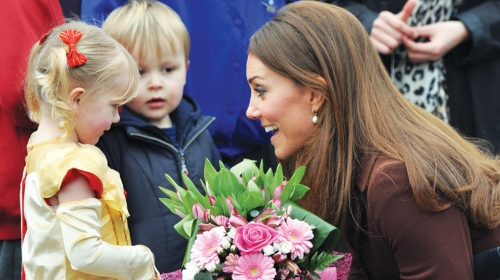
point(249, 226)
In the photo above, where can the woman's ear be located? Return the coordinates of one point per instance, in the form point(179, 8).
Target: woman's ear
point(317, 99)
point(75, 98)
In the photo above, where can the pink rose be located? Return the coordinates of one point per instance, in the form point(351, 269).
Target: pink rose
point(253, 237)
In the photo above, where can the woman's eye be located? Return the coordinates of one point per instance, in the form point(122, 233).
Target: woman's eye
point(260, 91)
point(141, 72)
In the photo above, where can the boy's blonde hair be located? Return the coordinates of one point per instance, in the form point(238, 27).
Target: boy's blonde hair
point(147, 23)
point(49, 79)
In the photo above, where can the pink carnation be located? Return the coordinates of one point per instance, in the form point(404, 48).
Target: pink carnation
point(204, 250)
point(298, 233)
point(253, 237)
point(254, 267)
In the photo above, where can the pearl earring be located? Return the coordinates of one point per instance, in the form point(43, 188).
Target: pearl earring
point(315, 117)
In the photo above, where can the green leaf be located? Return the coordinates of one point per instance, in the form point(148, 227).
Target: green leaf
point(236, 204)
point(299, 192)
point(227, 183)
point(188, 201)
point(278, 179)
point(207, 188)
point(220, 202)
point(191, 188)
point(179, 189)
point(323, 260)
point(253, 188)
point(215, 211)
point(174, 205)
point(253, 201)
point(203, 276)
point(209, 173)
point(246, 166)
point(297, 175)
point(191, 239)
point(314, 275)
point(170, 193)
point(182, 225)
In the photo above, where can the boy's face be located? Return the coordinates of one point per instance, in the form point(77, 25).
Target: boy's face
point(161, 84)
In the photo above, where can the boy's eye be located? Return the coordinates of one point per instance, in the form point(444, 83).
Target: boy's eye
point(141, 72)
point(168, 69)
point(260, 91)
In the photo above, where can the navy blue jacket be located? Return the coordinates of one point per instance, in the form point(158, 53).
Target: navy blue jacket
point(142, 153)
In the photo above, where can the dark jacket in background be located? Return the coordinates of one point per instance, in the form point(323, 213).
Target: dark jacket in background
point(142, 153)
point(473, 67)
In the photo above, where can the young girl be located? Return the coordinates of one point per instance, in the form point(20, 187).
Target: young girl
point(74, 208)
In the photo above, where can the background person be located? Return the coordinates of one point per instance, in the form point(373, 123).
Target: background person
point(455, 63)
point(31, 18)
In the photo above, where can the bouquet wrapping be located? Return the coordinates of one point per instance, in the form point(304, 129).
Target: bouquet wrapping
point(248, 225)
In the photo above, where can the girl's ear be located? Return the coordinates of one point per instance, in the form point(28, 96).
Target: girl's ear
point(75, 98)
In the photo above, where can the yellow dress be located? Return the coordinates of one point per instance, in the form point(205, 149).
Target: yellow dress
point(87, 239)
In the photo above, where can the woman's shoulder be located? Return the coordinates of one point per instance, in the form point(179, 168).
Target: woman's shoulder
point(376, 169)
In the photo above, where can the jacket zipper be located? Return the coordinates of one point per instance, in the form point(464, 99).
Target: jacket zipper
point(173, 148)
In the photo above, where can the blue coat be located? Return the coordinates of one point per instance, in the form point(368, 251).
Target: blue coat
point(142, 153)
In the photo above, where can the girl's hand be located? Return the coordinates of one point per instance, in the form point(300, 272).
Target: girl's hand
point(388, 29)
point(443, 36)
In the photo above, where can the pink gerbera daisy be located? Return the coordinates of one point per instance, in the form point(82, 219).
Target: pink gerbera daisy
point(298, 233)
point(205, 247)
point(254, 267)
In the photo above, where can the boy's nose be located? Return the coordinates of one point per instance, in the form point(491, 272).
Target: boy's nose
point(155, 82)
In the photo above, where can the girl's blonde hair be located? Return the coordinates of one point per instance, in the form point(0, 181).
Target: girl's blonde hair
point(49, 78)
point(146, 24)
point(364, 114)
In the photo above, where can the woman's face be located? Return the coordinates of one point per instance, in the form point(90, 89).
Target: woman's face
point(282, 107)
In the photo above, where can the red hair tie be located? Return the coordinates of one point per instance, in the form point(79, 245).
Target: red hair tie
point(70, 37)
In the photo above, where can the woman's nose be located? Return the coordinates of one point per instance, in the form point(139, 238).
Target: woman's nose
point(252, 110)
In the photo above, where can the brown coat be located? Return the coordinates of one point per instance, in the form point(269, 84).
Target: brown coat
point(402, 240)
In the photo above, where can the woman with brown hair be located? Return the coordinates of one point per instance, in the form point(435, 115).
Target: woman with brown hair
point(413, 198)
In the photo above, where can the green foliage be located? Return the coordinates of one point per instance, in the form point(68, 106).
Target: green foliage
point(320, 262)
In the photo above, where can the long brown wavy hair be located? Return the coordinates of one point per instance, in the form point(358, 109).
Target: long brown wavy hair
point(364, 114)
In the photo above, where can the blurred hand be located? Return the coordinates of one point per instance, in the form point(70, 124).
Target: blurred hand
point(388, 29)
point(442, 37)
